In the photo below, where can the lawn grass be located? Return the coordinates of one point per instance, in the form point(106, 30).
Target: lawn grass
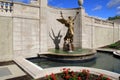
point(115, 45)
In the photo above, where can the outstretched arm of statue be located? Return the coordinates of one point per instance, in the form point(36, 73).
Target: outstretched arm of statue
point(62, 20)
point(76, 15)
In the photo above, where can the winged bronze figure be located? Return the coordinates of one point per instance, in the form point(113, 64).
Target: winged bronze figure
point(69, 23)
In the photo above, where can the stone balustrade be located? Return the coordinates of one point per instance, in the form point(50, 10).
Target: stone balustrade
point(103, 22)
point(100, 21)
point(6, 6)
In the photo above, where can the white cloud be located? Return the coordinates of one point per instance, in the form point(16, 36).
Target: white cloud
point(98, 7)
point(118, 13)
point(118, 8)
point(112, 3)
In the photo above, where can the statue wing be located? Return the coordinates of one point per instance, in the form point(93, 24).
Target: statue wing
point(63, 21)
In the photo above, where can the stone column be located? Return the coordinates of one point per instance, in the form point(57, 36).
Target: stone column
point(82, 21)
point(92, 35)
point(43, 26)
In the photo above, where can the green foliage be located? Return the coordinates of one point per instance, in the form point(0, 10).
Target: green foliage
point(115, 45)
point(114, 18)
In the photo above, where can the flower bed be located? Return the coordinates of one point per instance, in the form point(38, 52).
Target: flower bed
point(67, 74)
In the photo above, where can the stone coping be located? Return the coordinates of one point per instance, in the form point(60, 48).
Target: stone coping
point(83, 54)
point(92, 52)
point(69, 57)
point(10, 71)
point(112, 51)
point(28, 66)
point(37, 72)
point(106, 50)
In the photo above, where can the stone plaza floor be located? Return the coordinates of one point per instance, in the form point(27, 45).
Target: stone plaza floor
point(10, 71)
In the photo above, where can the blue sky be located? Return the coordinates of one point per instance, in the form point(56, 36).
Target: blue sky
point(98, 8)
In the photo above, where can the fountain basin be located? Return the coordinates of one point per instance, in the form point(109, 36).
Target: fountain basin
point(70, 56)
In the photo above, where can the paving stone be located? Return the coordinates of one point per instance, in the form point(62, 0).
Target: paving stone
point(5, 72)
point(10, 71)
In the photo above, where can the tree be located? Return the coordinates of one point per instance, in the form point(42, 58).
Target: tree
point(113, 18)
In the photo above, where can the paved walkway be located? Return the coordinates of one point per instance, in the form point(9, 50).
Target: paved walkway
point(10, 71)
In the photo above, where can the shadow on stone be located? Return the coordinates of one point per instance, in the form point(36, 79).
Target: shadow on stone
point(56, 39)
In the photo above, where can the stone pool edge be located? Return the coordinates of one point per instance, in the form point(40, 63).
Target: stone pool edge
point(69, 57)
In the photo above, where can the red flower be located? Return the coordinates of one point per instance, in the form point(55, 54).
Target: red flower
point(67, 77)
point(72, 73)
point(47, 76)
point(64, 69)
point(79, 78)
point(68, 68)
point(53, 76)
point(83, 71)
point(101, 75)
point(88, 71)
point(88, 74)
point(108, 79)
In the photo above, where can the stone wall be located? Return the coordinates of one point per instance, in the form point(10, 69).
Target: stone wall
point(25, 30)
point(98, 33)
point(6, 48)
point(25, 37)
point(19, 31)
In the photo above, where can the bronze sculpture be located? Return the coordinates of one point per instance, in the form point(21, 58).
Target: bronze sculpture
point(68, 39)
